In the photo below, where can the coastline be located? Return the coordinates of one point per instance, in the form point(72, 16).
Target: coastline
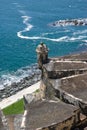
point(14, 87)
point(19, 95)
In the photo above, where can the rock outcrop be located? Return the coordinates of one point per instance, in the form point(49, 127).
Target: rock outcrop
point(70, 22)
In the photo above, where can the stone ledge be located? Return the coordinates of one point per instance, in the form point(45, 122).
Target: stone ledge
point(44, 114)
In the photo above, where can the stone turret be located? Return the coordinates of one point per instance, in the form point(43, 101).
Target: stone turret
point(42, 54)
point(61, 102)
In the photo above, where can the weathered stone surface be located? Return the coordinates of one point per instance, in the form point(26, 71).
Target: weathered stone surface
point(76, 57)
point(63, 79)
point(3, 122)
point(77, 86)
point(42, 54)
point(66, 77)
point(14, 121)
point(49, 114)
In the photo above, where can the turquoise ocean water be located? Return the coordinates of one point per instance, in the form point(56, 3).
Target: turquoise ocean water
point(25, 23)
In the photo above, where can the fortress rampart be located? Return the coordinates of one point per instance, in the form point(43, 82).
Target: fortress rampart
point(61, 103)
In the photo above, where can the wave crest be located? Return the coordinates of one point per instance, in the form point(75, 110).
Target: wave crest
point(28, 27)
point(20, 74)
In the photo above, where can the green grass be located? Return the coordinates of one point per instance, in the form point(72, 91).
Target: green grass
point(15, 108)
point(37, 91)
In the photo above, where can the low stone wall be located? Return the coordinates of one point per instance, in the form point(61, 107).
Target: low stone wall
point(52, 90)
point(67, 98)
point(52, 81)
point(65, 125)
point(65, 73)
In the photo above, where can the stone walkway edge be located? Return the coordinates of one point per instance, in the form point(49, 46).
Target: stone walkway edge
point(19, 95)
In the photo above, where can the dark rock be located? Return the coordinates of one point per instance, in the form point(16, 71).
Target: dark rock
point(76, 22)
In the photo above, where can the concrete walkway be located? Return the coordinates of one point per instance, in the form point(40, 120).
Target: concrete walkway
point(10, 100)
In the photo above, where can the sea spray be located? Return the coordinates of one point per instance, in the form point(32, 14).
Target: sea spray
point(27, 28)
point(22, 78)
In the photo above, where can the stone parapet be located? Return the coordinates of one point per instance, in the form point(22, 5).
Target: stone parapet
point(49, 114)
point(61, 102)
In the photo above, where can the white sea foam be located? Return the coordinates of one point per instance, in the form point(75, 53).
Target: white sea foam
point(83, 44)
point(56, 32)
point(66, 38)
point(80, 32)
point(8, 79)
point(15, 3)
point(77, 38)
point(26, 20)
point(22, 12)
point(45, 36)
point(27, 28)
point(60, 39)
point(84, 41)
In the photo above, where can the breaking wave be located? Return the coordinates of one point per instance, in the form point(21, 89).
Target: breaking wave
point(85, 41)
point(28, 27)
point(45, 38)
point(83, 44)
point(80, 32)
point(76, 36)
point(56, 32)
point(15, 77)
point(26, 21)
point(61, 39)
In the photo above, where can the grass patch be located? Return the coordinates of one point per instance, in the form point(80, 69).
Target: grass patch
point(37, 91)
point(15, 108)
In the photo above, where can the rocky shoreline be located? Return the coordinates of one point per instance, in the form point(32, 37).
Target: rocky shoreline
point(15, 87)
point(68, 22)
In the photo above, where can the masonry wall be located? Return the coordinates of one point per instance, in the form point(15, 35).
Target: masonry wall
point(65, 125)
